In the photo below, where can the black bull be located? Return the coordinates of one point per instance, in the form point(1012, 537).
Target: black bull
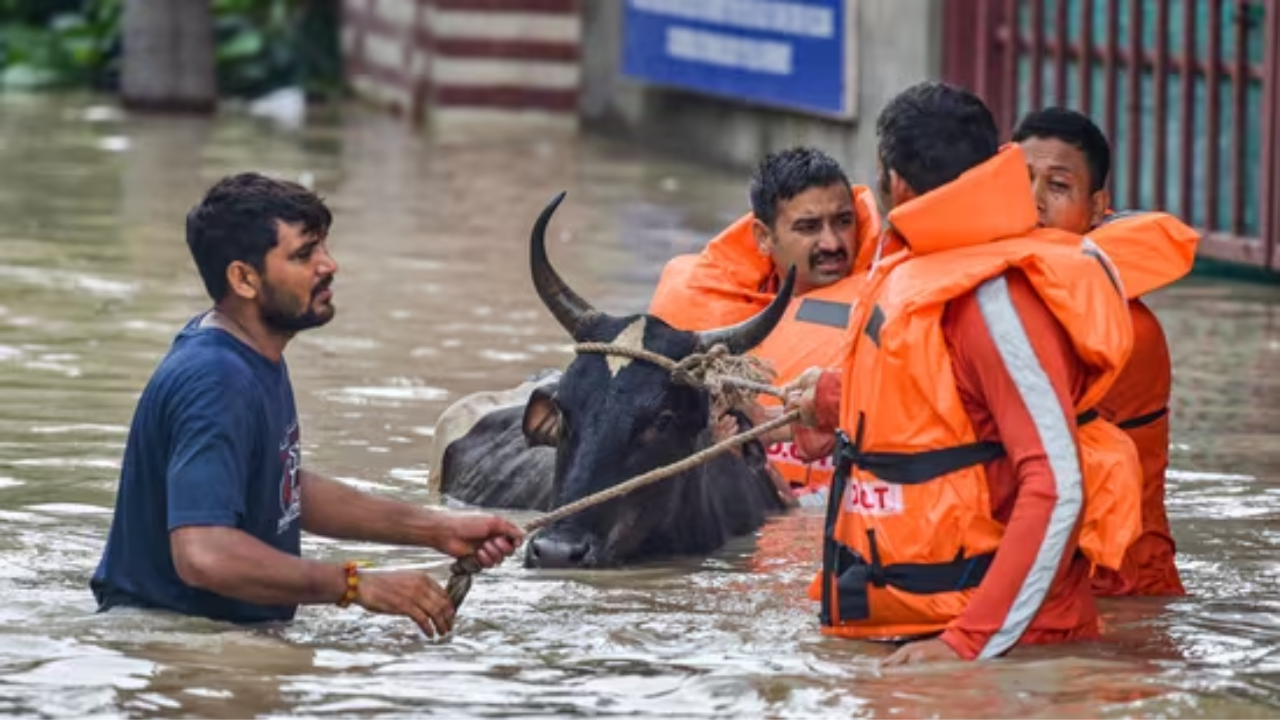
point(606, 419)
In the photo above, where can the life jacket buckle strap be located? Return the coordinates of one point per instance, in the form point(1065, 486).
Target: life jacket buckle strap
point(845, 452)
point(910, 468)
point(1143, 420)
point(852, 575)
point(876, 575)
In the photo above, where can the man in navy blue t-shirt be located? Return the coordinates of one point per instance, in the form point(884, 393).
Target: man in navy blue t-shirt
point(210, 507)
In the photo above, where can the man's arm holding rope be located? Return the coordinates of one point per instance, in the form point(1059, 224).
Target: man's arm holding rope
point(762, 414)
point(336, 510)
point(815, 395)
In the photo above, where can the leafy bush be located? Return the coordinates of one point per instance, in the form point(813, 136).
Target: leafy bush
point(59, 42)
point(260, 45)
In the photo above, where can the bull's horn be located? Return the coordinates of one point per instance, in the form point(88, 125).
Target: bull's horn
point(752, 331)
point(570, 310)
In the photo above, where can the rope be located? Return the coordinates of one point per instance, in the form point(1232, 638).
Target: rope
point(661, 473)
point(710, 369)
point(716, 370)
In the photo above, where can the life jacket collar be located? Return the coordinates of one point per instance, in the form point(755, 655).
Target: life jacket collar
point(991, 201)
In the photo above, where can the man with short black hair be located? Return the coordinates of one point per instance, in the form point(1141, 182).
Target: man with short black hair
point(804, 212)
point(964, 491)
point(213, 495)
point(1069, 159)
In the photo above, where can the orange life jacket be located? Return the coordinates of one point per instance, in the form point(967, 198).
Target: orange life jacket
point(909, 530)
point(814, 332)
point(1149, 249)
point(731, 280)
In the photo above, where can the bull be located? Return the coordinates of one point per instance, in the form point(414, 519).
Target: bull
point(563, 436)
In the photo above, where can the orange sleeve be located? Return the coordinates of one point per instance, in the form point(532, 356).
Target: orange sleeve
point(1139, 403)
point(817, 442)
point(1012, 357)
point(1146, 382)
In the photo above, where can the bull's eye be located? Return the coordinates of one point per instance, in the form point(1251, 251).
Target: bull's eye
point(663, 421)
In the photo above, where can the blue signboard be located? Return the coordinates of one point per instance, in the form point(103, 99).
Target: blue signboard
point(791, 53)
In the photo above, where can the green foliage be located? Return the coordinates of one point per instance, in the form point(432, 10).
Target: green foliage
point(265, 45)
point(260, 45)
point(58, 43)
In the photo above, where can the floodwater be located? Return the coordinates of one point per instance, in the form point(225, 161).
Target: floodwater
point(434, 302)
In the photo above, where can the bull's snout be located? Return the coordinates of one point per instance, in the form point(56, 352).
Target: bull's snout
point(553, 552)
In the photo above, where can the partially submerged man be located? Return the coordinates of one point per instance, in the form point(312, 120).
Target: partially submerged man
point(213, 494)
point(1069, 159)
point(966, 510)
point(804, 212)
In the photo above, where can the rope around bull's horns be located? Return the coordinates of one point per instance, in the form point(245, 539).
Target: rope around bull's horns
point(711, 370)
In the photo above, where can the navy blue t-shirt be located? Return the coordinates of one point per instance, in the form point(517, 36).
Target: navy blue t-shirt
point(214, 441)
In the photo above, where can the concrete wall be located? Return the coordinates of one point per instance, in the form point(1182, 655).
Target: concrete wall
point(899, 43)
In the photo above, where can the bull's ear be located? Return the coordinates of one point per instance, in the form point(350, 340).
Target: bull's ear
point(542, 418)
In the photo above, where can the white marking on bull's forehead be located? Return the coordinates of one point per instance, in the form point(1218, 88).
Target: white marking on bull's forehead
point(631, 337)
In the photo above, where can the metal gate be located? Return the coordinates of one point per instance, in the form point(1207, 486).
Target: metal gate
point(1187, 91)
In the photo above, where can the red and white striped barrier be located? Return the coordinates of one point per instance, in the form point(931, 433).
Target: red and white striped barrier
point(466, 60)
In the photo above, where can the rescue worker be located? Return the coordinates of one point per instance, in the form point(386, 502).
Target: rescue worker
point(968, 508)
point(803, 212)
point(1069, 159)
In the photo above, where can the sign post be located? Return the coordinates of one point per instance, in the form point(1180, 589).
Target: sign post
point(794, 54)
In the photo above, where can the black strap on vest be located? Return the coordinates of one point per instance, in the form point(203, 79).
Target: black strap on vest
point(916, 468)
point(921, 467)
point(1142, 420)
point(852, 572)
point(1089, 416)
point(831, 547)
point(854, 575)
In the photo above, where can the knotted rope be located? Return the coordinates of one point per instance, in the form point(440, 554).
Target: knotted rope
point(734, 379)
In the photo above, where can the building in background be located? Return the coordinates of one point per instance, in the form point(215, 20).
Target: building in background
point(463, 62)
point(1186, 89)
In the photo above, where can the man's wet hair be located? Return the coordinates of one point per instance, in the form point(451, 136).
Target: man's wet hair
point(785, 174)
point(932, 132)
point(237, 218)
point(1075, 129)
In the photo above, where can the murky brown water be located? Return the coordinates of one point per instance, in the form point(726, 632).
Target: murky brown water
point(434, 302)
